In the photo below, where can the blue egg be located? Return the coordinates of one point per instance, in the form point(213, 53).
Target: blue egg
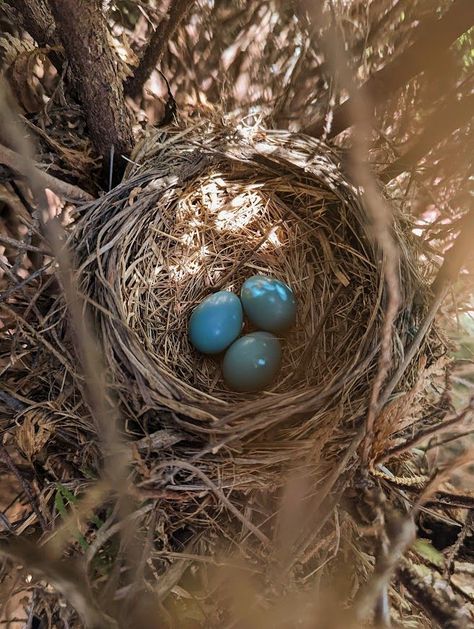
point(268, 303)
point(216, 322)
point(252, 362)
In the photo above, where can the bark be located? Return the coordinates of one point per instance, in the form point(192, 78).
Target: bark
point(37, 20)
point(453, 115)
point(432, 40)
point(84, 34)
point(157, 46)
point(443, 613)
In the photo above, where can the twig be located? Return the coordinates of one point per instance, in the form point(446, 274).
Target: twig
point(380, 213)
point(456, 547)
point(67, 577)
point(458, 501)
point(8, 461)
point(157, 46)
point(63, 189)
point(403, 536)
point(4, 295)
point(93, 384)
point(456, 255)
point(21, 246)
point(448, 273)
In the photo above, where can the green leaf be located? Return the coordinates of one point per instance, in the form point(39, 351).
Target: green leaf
point(59, 503)
point(425, 549)
point(70, 497)
point(62, 494)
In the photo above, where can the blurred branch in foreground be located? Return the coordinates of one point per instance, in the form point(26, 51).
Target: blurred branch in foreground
point(434, 37)
point(454, 114)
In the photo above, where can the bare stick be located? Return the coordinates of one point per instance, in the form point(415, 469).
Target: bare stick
point(433, 38)
point(380, 213)
point(156, 46)
point(428, 599)
point(84, 34)
point(63, 189)
point(103, 410)
point(68, 577)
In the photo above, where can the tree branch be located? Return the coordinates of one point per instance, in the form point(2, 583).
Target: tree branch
point(452, 115)
point(37, 20)
point(433, 38)
point(63, 189)
point(436, 607)
point(84, 34)
point(156, 46)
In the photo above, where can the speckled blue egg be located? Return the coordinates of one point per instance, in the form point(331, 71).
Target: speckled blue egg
point(252, 362)
point(216, 322)
point(268, 303)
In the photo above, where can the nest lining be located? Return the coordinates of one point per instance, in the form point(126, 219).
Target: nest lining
point(202, 210)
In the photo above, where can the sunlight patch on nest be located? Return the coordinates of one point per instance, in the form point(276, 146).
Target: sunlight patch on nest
point(190, 265)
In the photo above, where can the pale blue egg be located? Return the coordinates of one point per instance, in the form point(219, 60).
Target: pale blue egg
point(252, 362)
point(268, 303)
point(216, 322)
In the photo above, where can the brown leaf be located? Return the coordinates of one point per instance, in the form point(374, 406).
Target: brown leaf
point(32, 433)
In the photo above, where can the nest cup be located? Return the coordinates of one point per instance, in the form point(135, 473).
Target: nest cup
point(202, 210)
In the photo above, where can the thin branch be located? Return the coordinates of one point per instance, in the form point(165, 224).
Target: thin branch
point(404, 533)
point(63, 189)
point(454, 260)
point(433, 38)
point(157, 46)
point(32, 499)
point(67, 577)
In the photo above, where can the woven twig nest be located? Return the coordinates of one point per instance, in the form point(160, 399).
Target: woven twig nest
point(202, 210)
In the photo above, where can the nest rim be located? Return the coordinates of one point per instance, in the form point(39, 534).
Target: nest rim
point(173, 164)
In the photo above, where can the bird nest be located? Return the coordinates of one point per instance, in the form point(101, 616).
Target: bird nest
point(202, 210)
